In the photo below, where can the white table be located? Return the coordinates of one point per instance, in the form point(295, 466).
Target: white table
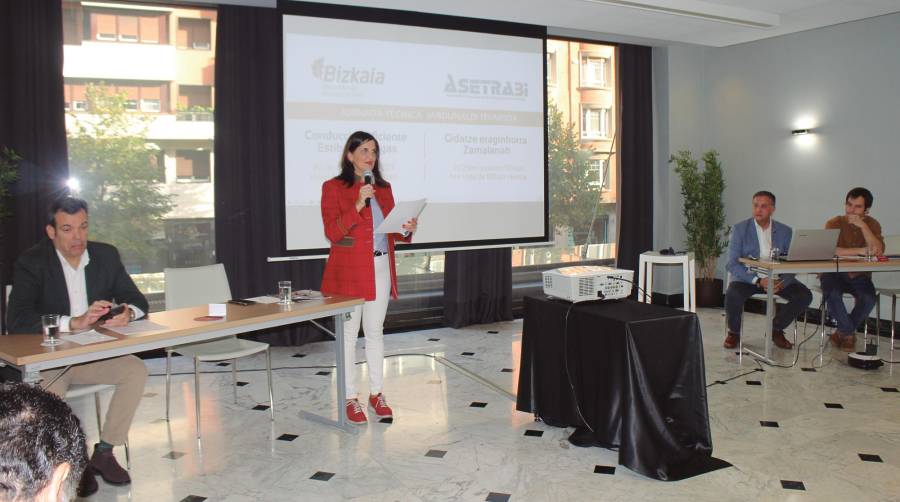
point(25, 353)
point(774, 268)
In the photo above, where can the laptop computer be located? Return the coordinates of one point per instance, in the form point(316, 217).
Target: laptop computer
point(812, 245)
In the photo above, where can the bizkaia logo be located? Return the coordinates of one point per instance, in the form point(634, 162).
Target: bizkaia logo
point(472, 87)
point(334, 74)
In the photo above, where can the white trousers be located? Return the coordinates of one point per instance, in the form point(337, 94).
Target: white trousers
point(371, 314)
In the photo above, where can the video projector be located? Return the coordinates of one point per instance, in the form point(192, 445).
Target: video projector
point(588, 282)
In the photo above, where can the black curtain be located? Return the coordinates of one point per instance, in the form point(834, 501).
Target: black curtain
point(248, 179)
point(477, 286)
point(32, 121)
point(635, 233)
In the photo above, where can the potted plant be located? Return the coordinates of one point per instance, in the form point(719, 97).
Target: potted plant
point(704, 219)
point(9, 163)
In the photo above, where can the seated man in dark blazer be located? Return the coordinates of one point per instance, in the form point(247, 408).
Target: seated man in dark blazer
point(756, 237)
point(81, 281)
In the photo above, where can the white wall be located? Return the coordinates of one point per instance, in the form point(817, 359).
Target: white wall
point(842, 81)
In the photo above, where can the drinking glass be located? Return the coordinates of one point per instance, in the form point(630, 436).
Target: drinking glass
point(284, 292)
point(50, 325)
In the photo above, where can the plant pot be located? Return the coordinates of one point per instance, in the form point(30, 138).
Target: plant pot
point(709, 292)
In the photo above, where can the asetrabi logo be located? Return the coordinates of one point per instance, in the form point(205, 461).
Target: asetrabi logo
point(476, 87)
point(335, 74)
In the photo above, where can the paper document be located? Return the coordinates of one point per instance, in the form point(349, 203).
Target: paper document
point(137, 327)
point(308, 294)
point(87, 337)
point(402, 212)
point(264, 299)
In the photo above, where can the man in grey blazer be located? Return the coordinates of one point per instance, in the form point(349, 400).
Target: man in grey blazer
point(81, 280)
point(756, 237)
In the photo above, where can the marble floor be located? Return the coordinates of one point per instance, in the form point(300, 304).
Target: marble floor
point(817, 431)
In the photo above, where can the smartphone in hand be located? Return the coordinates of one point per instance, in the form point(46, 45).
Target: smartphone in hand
point(113, 311)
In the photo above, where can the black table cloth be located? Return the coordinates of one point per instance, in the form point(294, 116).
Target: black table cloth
point(637, 371)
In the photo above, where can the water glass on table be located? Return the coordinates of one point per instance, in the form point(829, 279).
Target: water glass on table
point(50, 325)
point(284, 292)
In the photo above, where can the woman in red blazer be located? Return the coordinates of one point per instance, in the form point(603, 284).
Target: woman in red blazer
point(361, 263)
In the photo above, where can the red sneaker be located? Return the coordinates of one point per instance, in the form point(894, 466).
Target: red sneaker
point(355, 412)
point(380, 407)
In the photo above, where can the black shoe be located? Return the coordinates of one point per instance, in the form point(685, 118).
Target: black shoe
point(104, 463)
point(87, 486)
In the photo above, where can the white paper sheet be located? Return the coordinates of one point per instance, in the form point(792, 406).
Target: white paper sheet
point(87, 337)
point(402, 212)
point(264, 299)
point(137, 327)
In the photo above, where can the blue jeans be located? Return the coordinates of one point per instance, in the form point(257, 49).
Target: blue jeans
point(834, 285)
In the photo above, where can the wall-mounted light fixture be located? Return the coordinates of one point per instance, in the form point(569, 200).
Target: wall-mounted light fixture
point(800, 132)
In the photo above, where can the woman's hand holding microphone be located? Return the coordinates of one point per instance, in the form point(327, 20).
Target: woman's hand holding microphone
point(365, 192)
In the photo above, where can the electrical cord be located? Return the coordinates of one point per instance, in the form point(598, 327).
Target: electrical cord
point(796, 351)
point(640, 289)
point(569, 375)
point(759, 369)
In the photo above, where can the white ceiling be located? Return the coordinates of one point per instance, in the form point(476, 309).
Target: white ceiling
point(631, 19)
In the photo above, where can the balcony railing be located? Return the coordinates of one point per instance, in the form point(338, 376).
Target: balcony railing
point(195, 116)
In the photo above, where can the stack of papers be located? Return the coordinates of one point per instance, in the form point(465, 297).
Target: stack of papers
point(87, 337)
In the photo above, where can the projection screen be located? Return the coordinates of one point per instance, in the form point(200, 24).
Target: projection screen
point(459, 115)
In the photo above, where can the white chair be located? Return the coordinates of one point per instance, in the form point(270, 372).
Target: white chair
point(190, 287)
point(76, 391)
point(688, 276)
point(888, 284)
point(762, 297)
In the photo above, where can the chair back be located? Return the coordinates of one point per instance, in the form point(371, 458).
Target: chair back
point(190, 287)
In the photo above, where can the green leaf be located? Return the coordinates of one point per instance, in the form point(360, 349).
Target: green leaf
point(702, 208)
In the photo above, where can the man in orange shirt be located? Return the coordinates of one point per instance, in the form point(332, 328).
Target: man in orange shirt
point(860, 235)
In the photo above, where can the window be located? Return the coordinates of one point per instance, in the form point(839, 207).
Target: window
point(582, 213)
point(599, 173)
point(192, 166)
point(104, 27)
point(551, 68)
point(594, 122)
point(118, 25)
point(195, 102)
point(594, 71)
point(143, 96)
point(128, 28)
point(141, 166)
point(194, 34)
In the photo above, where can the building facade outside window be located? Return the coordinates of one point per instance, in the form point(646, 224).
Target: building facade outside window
point(143, 65)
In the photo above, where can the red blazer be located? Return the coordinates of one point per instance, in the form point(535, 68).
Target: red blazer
point(350, 269)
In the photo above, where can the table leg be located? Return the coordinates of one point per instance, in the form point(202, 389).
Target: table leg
point(341, 370)
point(770, 314)
point(341, 422)
point(770, 304)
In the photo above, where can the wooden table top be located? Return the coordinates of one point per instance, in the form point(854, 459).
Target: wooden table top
point(842, 265)
point(20, 350)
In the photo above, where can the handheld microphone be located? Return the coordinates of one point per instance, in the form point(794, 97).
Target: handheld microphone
point(368, 180)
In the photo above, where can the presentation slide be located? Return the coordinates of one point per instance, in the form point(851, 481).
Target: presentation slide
point(459, 117)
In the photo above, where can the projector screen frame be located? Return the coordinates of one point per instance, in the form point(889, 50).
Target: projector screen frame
point(425, 20)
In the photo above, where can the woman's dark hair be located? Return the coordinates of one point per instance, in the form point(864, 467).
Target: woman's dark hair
point(348, 176)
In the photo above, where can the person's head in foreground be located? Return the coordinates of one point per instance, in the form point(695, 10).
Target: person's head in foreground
point(42, 449)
